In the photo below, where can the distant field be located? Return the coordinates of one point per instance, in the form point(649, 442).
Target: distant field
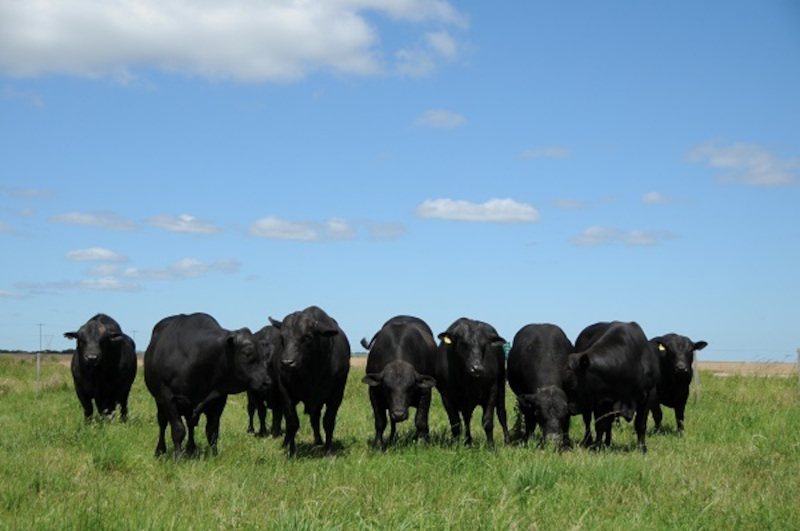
point(736, 468)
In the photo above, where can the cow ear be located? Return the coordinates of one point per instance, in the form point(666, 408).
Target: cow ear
point(497, 340)
point(326, 327)
point(71, 335)
point(446, 338)
point(700, 345)
point(230, 343)
point(116, 337)
point(275, 323)
point(373, 380)
point(425, 382)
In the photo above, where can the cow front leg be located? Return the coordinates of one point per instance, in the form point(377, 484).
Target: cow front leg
point(421, 418)
point(314, 414)
point(679, 409)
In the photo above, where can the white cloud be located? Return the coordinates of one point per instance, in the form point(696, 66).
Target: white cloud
point(9, 295)
point(185, 268)
point(103, 270)
point(339, 229)
point(100, 220)
point(606, 235)
point(494, 210)
point(107, 284)
point(440, 119)
point(748, 164)
point(546, 152)
point(94, 254)
point(183, 223)
point(272, 227)
point(226, 39)
point(656, 198)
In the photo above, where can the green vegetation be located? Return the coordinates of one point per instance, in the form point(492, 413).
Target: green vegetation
point(738, 467)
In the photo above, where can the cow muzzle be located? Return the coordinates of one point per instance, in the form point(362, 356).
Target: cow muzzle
point(399, 415)
point(476, 371)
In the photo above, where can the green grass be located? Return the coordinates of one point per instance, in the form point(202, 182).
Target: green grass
point(738, 466)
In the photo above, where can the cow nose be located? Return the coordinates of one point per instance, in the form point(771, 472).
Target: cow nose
point(289, 364)
point(683, 368)
point(399, 415)
point(475, 371)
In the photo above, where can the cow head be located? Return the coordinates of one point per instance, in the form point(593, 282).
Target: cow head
point(93, 339)
point(676, 354)
point(304, 336)
point(399, 382)
point(470, 341)
point(550, 410)
point(573, 378)
point(248, 359)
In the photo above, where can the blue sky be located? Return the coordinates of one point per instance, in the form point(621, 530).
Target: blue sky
point(535, 162)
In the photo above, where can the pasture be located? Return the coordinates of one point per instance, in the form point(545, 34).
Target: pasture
point(738, 466)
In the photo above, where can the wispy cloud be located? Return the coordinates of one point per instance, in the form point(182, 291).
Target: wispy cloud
point(440, 119)
point(657, 198)
point(306, 231)
point(26, 193)
point(242, 40)
point(570, 204)
point(100, 220)
point(608, 235)
point(552, 152)
point(5, 227)
point(30, 98)
point(186, 268)
point(184, 223)
point(94, 254)
point(493, 211)
point(748, 164)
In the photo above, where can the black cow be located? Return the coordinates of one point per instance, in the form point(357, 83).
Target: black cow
point(270, 339)
point(611, 374)
point(399, 370)
point(191, 366)
point(470, 372)
point(675, 357)
point(103, 366)
point(312, 368)
point(535, 369)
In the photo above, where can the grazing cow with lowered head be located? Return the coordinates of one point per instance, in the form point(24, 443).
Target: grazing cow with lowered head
point(103, 366)
point(675, 357)
point(312, 368)
point(257, 402)
point(400, 365)
point(471, 372)
point(611, 374)
point(191, 366)
point(535, 369)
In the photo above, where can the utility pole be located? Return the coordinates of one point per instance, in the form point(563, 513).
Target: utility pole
point(39, 360)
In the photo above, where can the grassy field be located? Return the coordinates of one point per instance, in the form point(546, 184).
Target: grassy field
point(737, 467)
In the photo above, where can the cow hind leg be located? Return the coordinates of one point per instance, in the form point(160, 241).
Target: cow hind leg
point(292, 425)
point(679, 410)
point(161, 445)
point(329, 423)
point(657, 418)
point(488, 424)
point(467, 414)
point(213, 414)
point(640, 423)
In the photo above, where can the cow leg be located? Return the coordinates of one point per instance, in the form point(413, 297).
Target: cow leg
point(379, 414)
point(329, 420)
point(292, 425)
point(657, 417)
point(421, 418)
point(251, 411)
point(587, 440)
point(213, 414)
point(455, 419)
point(488, 424)
point(679, 409)
point(392, 430)
point(177, 428)
point(161, 445)
point(640, 423)
point(86, 403)
point(277, 415)
point(603, 420)
point(500, 404)
point(315, 413)
point(530, 424)
point(467, 414)
point(123, 406)
point(191, 445)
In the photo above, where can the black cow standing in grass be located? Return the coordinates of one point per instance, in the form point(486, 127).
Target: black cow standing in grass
point(400, 368)
point(675, 355)
point(103, 366)
point(535, 370)
point(611, 374)
point(270, 339)
point(191, 366)
point(471, 372)
point(312, 368)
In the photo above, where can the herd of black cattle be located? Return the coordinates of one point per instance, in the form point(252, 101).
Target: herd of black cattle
point(192, 364)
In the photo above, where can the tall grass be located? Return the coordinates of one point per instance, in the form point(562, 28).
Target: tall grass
point(736, 467)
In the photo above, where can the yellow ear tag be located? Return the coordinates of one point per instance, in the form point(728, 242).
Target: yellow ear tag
point(661, 347)
point(447, 340)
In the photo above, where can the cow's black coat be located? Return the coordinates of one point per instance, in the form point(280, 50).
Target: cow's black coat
point(536, 364)
point(611, 374)
point(400, 368)
point(675, 357)
point(312, 368)
point(471, 372)
point(191, 366)
point(103, 366)
point(270, 339)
